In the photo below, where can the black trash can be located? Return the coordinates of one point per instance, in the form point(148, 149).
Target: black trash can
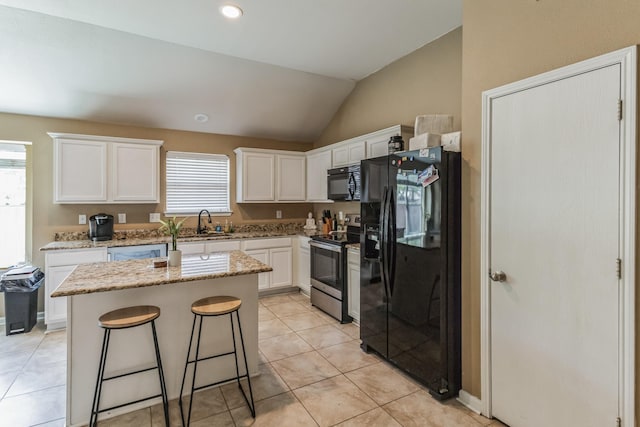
point(20, 287)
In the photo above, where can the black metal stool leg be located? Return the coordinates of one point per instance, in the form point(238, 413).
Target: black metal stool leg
point(252, 407)
point(95, 406)
point(186, 365)
point(195, 369)
point(163, 387)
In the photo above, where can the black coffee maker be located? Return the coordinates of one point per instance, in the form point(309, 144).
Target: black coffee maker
point(101, 227)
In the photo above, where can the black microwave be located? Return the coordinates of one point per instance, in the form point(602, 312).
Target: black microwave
point(344, 183)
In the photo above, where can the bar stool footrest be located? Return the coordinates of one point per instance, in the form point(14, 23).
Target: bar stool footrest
point(229, 353)
point(128, 403)
point(228, 380)
point(130, 373)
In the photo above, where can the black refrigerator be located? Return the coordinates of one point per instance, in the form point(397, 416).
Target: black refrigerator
point(410, 264)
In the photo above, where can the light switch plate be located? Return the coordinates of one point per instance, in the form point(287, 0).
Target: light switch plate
point(154, 217)
point(278, 214)
point(82, 219)
point(122, 218)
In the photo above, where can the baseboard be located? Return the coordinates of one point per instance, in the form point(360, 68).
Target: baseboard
point(470, 401)
point(39, 317)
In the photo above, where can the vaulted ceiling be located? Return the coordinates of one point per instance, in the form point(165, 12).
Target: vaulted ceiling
point(280, 71)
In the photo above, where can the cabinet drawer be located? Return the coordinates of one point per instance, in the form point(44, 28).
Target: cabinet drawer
point(191, 248)
point(266, 243)
point(223, 246)
point(76, 257)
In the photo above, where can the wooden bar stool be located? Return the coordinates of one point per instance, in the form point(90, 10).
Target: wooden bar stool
point(215, 306)
point(124, 318)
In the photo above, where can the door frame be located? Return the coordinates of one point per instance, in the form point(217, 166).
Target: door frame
point(627, 234)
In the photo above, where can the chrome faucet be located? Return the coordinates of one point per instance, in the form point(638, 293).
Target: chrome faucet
point(201, 229)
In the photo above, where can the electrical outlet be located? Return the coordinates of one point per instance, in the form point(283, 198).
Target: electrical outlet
point(82, 219)
point(278, 214)
point(122, 218)
point(154, 217)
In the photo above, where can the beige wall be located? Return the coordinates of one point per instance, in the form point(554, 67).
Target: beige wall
point(48, 218)
point(506, 41)
point(426, 81)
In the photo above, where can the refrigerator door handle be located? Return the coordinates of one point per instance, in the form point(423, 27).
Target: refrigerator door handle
point(391, 262)
point(384, 218)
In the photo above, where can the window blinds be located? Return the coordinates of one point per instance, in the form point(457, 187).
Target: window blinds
point(197, 181)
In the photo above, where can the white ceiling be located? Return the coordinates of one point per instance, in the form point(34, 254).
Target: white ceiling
point(281, 71)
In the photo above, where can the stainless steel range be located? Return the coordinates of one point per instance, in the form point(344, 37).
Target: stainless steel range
point(328, 269)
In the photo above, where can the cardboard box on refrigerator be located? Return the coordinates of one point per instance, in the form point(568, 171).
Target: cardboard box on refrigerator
point(424, 140)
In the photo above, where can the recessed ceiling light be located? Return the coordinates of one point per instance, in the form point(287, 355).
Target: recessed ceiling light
point(231, 11)
point(200, 117)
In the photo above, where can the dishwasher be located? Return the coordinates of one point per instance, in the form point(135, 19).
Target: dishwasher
point(121, 253)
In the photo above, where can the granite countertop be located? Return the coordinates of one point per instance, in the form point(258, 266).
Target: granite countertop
point(87, 244)
point(353, 246)
point(120, 275)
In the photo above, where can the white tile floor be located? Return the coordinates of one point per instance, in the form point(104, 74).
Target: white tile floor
point(312, 372)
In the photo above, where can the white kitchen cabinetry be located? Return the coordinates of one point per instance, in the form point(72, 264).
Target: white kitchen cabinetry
point(205, 247)
point(282, 264)
point(269, 175)
point(377, 142)
point(353, 284)
point(318, 162)
point(80, 171)
point(99, 169)
point(302, 266)
point(276, 253)
point(291, 178)
point(134, 173)
point(58, 265)
point(348, 153)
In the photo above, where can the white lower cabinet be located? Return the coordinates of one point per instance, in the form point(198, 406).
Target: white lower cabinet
point(208, 247)
point(276, 253)
point(261, 255)
point(353, 284)
point(302, 264)
point(58, 265)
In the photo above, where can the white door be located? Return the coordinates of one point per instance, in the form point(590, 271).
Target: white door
point(554, 232)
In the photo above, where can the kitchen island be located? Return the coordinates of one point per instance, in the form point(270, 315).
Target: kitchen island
point(96, 288)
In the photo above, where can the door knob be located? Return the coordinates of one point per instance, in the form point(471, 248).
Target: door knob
point(498, 276)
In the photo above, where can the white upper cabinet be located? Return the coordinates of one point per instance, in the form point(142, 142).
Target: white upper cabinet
point(134, 172)
point(269, 175)
point(80, 171)
point(349, 153)
point(101, 169)
point(257, 180)
point(377, 142)
point(318, 162)
point(291, 177)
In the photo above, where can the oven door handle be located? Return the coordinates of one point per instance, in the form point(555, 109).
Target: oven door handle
point(332, 248)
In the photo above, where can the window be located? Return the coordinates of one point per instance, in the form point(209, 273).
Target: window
point(197, 181)
point(13, 188)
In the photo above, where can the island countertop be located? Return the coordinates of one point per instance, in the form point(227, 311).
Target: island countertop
point(120, 275)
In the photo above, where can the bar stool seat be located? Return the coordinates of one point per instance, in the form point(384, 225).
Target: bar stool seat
point(210, 307)
point(129, 317)
point(122, 318)
point(216, 306)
